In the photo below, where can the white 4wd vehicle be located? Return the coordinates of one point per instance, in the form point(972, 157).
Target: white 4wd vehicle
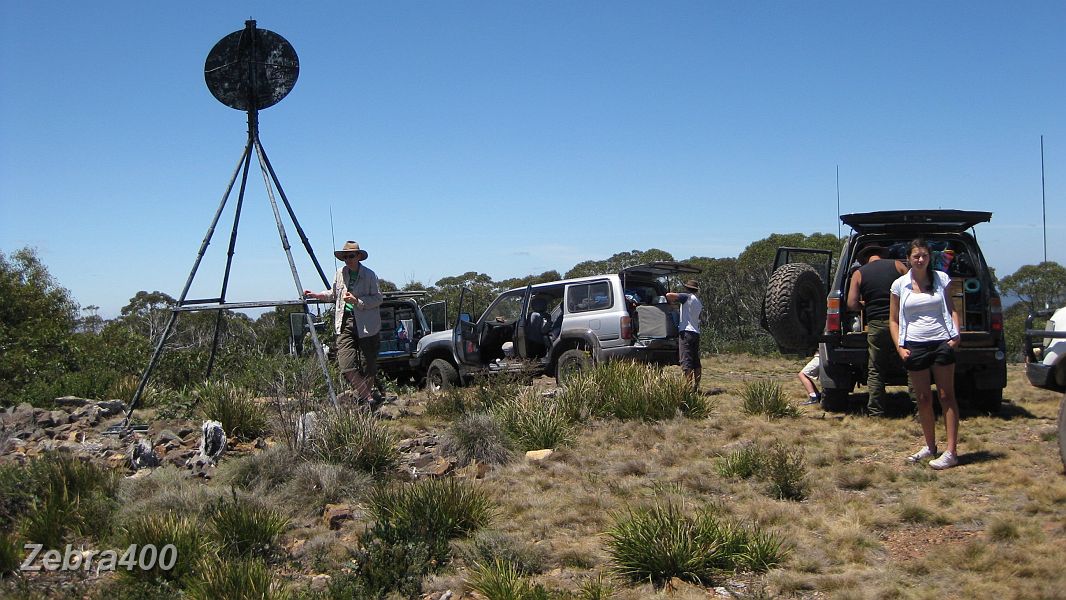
point(1045, 360)
point(580, 322)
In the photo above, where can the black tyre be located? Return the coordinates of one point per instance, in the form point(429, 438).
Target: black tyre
point(795, 307)
point(834, 399)
point(1062, 430)
point(989, 401)
point(571, 363)
point(441, 375)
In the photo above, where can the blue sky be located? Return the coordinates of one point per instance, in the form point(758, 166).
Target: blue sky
point(512, 138)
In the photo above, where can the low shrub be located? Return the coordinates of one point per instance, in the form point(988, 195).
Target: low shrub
point(391, 565)
point(477, 437)
point(534, 422)
point(448, 403)
point(355, 439)
point(429, 511)
point(245, 528)
point(160, 529)
point(501, 580)
point(237, 580)
point(596, 588)
point(764, 397)
point(241, 417)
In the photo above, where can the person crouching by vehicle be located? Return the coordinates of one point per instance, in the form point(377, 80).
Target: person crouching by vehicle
point(925, 328)
point(688, 343)
point(808, 377)
point(357, 321)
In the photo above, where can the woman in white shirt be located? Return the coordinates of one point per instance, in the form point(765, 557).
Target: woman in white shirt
point(925, 328)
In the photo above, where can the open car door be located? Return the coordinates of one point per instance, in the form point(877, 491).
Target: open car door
point(465, 336)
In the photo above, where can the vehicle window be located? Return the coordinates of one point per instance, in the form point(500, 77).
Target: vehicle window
point(589, 296)
point(506, 309)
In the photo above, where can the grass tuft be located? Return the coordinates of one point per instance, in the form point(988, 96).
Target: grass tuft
point(187, 536)
point(357, 440)
point(477, 437)
point(236, 580)
point(534, 422)
point(744, 462)
point(786, 472)
point(245, 528)
point(486, 547)
point(241, 417)
point(764, 397)
point(501, 580)
point(631, 391)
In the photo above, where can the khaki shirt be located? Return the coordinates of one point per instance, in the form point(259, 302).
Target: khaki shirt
point(367, 317)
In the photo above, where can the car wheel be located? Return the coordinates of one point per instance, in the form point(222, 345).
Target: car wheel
point(571, 363)
point(989, 401)
point(834, 399)
point(795, 307)
point(1062, 430)
point(441, 375)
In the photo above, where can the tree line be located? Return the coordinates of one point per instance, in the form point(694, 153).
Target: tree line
point(49, 345)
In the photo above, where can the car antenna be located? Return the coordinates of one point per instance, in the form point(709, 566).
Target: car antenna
point(332, 236)
point(838, 201)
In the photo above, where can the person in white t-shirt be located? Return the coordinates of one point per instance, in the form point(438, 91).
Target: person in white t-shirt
point(688, 327)
point(925, 328)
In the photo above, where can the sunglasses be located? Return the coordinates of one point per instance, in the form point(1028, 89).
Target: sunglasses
point(347, 256)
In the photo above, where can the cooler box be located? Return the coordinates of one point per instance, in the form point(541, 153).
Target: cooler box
point(656, 321)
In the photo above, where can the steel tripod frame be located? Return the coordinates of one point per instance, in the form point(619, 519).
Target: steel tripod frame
point(270, 180)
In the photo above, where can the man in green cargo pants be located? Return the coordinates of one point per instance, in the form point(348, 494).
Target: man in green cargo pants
point(870, 292)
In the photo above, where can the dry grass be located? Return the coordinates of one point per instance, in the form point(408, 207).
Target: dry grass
point(871, 526)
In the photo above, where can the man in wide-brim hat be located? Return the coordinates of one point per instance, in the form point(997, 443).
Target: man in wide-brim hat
point(357, 320)
point(688, 339)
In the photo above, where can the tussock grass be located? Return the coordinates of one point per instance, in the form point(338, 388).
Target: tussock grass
point(429, 511)
point(764, 397)
point(478, 437)
point(63, 497)
point(501, 580)
point(244, 528)
point(187, 535)
point(743, 462)
point(488, 547)
point(241, 417)
point(534, 422)
point(10, 554)
point(661, 542)
point(357, 440)
point(240, 579)
point(631, 391)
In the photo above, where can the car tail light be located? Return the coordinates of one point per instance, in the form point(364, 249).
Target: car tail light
point(626, 325)
point(832, 313)
point(996, 309)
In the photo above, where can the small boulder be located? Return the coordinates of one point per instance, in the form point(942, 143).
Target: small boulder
point(110, 408)
point(539, 455)
point(69, 402)
point(336, 514)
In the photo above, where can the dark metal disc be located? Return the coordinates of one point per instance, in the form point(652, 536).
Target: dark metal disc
point(251, 68)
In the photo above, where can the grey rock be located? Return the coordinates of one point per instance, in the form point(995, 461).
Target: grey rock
point(166, 436)
point(110, 408)
point(89, 415)
point(43, 418)
point(71, 402)
point(142, 456)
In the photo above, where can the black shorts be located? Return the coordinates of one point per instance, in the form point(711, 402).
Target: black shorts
point(926, 354)
point(688, 346)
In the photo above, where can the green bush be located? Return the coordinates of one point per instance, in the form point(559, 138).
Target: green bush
point(661, 542)
point(391, 565)
point(429, 511)
point(245, 528)
point(241, 417)
point(160, 529)
point(764, 397)
point(355, 439)
point(501, 580)
point(477, 437)
point(236, 580)
point(448, 403)
point(632, 391)
point(534, 422)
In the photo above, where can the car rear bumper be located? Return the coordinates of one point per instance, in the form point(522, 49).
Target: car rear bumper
point(842, 367)
point(665, 354)
point(1042, 376)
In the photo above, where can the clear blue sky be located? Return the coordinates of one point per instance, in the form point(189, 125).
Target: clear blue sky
point(512, 138)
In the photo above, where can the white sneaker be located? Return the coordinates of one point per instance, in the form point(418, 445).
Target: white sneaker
point(946, 461)
point(921, 455)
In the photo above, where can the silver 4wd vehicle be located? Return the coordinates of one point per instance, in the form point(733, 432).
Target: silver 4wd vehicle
point(802, 315)
point(578, 322)
point(1045, 360)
